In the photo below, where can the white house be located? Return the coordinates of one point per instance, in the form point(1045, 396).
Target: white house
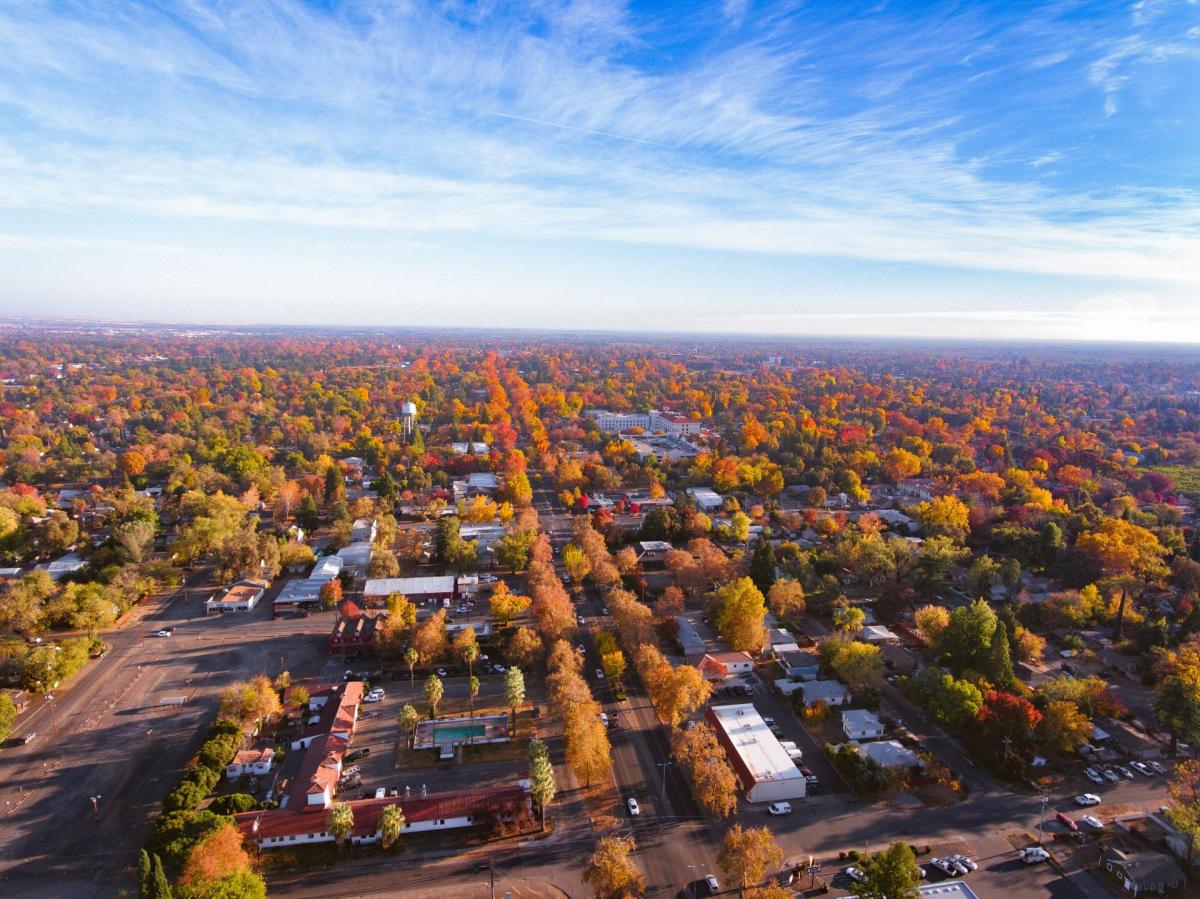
point(720, 666)
point(250, 761)
point(764, 767)
point(859, 724)
point(878, 634)
point(889, 754)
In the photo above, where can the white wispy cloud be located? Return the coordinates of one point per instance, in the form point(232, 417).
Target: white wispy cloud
point(581, 121)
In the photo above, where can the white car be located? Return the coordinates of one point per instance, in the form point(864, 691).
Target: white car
point(1159, 767)
point(1093, 775)
point(161, 633)
point(1033, 855)
point(599, 674)
point(1092, 821)
point(1111, 775)
point(856, 875)
point(779, 808)
point(944, 865)
point(1124, 772)
point(500, 669)
point(604, 719)
point(634, 810)
point(441, 672)
point(1086, 799)
point(373, 697)
point(964, 861)
point(1141, 768)
point(711, 883)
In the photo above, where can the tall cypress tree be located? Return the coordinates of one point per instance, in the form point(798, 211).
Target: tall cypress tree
point(145, 874)
point(160, 887)
point(762, 563)
point(1000, 661)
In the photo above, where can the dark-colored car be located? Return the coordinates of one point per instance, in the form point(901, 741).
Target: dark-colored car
point(356, 755)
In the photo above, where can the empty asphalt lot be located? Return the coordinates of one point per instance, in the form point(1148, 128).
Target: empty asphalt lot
point(106, 735)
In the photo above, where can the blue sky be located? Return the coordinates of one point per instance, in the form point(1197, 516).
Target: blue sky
point(969, 169)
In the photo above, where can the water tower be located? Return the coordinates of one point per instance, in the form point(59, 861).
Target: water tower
point(408, 417)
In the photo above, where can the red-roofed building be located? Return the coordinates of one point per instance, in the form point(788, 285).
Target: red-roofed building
point(335, 711)
point(440, 811)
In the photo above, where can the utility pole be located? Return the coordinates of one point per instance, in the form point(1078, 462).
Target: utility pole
point(1042, 820)
point(96, 806)
point(663, 785)
point(492, 877)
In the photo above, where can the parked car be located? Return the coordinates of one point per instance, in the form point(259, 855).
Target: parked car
point(499, 669)
point(779, 808)
point(711, 883)
point(1063, 819)
point(1124, 772)
point(441, 672)
point(959, 870)
point(1141, 768)
point(945, 866)
point(1159, 767)
point(964, 861)
point(856, 874)
point(373, 697)
point(1093, 822)
point(1093, 775)
point(28, 738)
point(604, 719)
point(358, 754)
point(163, 632)
point(599, 674)
point(1111, 775)
point(768, 721)
point(1086, 799)
point(1033, 855)
point(634, 809)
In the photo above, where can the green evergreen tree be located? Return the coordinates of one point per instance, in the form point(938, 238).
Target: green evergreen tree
point(333, 483)
point(762, 563)
point(145, 874)
point(160, 887)
point(1000, 670)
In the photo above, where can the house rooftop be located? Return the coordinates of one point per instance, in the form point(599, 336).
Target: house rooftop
point(758, 749)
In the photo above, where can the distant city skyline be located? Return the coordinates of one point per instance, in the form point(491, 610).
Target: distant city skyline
point(982, 170)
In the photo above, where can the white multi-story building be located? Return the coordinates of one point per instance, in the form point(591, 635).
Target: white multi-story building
point(667, 422)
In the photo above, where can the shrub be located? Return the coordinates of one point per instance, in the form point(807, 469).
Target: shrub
point(232, 803)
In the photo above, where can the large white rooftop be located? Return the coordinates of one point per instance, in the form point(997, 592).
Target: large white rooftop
point(409, 586)
point(758, 748)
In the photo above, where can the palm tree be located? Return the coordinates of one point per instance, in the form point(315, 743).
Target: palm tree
point(470, 653)
point(410, 659)
point(391, 822)
point(339, 821)
point(407, 718)
point(473, 686)
point(433, 693)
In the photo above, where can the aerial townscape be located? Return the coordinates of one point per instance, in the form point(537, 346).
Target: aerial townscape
point(599, 449)
point(432, 614)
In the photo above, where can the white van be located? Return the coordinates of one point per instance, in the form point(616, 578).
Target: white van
point(380, 792)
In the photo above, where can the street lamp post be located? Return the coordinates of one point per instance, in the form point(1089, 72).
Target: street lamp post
point(663, 785)
point(96, 806)
point(1042, 820)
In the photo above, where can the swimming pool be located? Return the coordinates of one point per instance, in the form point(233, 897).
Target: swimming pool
point(455, 732)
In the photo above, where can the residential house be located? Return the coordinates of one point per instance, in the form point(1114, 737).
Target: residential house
point(653, 552)
point(831, 692)
point(689, 638)
point(327, 569)
point(1142, 872)
point(878, 635)
point(889, 754)
point(1132, 741)
point(720, 666)
point(64, 565)
point(803, 664)
point(363, 530)
point(250, 762)
point(1119, 662)
point(860, 724)
point(356, 557)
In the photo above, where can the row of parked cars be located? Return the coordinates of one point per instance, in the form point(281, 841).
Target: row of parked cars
point(1114, 773)
point(951, 865)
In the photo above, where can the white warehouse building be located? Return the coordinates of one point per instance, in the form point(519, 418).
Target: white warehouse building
point(760, 761)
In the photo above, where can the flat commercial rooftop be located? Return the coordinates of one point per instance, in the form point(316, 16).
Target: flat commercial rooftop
point(759, 749)
point(410, 586)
